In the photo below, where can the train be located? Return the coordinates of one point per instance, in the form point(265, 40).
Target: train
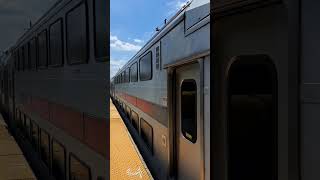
point(163, 96)
point(265, 100)
point(53, 91)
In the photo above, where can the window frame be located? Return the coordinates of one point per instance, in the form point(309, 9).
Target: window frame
point(127, 75)
point(41, 131)
point(33, 123)
point(150, 146)
point(151, 76)
point(26, 55)
point(87, 34)
point(137, 78)
point(105, 58)
point(62, 43)
point(82, 162)
point(38, 50)
point(192, 140)
point(132, 121)
point(65, 156)
point(35, 39)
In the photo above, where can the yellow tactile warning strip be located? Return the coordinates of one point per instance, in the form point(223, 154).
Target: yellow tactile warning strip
point(125, 159)
point(13, 165)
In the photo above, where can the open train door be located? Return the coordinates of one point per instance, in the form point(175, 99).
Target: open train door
point(252, 119)
point(189, 122)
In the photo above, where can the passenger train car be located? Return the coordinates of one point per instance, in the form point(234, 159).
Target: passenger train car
point(266, 91)
point(163, 95)
point(53, 91)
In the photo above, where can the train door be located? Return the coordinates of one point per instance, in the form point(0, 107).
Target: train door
point(252, 120)
point(189, 130)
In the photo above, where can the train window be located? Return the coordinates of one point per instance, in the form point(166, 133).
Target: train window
point(44, 147)
point(158, 61)
point(20, 120)
point(101, 35)
point(127, 77)
point(33, 53)
point(21, 59)
point(189, 110)
point(56, 44)
point(135, 120)
point(26, 56)
point(78, 170)
point(147, 133)
point(34, 135)
point(134, 72)
point(77, 35)
point(17, 117)
point(128, 111)
point(123, 76)
point(16, 60)
point(43, 50)
point(58, 160)
point(145, 67)
point(27, 127)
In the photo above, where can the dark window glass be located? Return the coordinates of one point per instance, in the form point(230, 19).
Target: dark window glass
point(145, 67)
point(20, 120)
point(128, 111)
point(26, 57)
point(44, 147)
point(127, 77)
point(78, 170)
point(123, 77)
point(101, 30)
point(27, 127)
point(17, 116)
point(43, 49)
point(21, 59)
point(33, 53)
point(56, 44)
point(77, 35)
point(189, 110)
point(58, 161)
point(147, 133)
point(16, 61)
point(135, 120)
point(34, 135)
point(134, 72)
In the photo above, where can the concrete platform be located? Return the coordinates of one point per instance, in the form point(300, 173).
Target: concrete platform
point(125, 160)
point(13, 165)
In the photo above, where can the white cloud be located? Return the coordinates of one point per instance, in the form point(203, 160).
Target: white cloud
point(117, 44)
point(175, 5)
point(138, 40)
point(115, 65)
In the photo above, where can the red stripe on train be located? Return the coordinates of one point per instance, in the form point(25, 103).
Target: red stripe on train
point(155, 111)
point(89, 130)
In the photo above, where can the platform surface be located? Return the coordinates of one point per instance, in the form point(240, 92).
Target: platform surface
point(13, 165)
point(125, 160)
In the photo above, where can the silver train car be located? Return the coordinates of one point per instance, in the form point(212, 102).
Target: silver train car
point(53, 91)
point(163, 95)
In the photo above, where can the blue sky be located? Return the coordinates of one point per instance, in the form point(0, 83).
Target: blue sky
point(132, 24)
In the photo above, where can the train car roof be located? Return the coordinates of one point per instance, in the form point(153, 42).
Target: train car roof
point(165, 29)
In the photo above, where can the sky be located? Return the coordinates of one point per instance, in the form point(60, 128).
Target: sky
point(132, 24)
point(15, 17)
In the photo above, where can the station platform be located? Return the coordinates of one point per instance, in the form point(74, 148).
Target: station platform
point(13, 165)
point(125, 160)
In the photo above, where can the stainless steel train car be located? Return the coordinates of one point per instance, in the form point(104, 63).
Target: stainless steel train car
point(163, 94)
point(265, 97)
point(53, 91)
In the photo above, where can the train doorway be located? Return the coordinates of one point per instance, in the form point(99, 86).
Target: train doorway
point(189, 130)
point(252, 119)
